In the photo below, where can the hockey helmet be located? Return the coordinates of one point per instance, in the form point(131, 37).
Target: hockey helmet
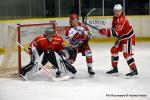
point(117, 7)
point(74, 16)
point(49, 32)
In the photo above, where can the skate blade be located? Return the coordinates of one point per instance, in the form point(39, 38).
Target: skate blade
point(132, 77)
point(114, 74)
point(91, 76)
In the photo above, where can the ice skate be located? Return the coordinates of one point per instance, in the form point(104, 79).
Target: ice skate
point(133, 73)
point(113, 71)
point(90, 71)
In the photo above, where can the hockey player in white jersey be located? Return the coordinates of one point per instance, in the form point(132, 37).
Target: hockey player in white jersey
point(78, 36)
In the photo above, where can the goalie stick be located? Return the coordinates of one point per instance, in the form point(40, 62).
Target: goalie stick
point(62, 78)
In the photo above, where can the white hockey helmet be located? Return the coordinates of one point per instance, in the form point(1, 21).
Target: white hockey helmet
point(117, 7)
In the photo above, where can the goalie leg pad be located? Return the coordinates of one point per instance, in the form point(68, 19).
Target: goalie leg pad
point(69, 67)
point(27, 68)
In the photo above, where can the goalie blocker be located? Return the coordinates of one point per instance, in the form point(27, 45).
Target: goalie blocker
point(47, 48)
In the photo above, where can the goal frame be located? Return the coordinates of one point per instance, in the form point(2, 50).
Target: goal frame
point(19, 26)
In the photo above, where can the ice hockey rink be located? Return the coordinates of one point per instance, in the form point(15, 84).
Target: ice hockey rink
point(100, 87)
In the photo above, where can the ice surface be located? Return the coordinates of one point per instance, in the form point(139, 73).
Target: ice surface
point(83, 87)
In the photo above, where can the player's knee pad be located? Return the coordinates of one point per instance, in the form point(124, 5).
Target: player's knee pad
point(126, 55)
point(114, 50)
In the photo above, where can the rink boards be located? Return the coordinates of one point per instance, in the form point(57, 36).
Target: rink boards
point(140, 25)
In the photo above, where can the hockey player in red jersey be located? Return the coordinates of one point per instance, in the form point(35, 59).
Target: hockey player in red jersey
point(122, 30)
point(78, 36)
point(52, 45)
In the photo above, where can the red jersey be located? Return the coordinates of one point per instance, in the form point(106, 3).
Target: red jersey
point(43, 44)
point(121, 27)
point(57, 44)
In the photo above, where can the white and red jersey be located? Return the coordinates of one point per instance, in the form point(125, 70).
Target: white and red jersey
point(78, 38)
point(77, 34)
point(73, 31)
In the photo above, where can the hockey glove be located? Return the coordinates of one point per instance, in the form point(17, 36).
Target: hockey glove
point(105, 31)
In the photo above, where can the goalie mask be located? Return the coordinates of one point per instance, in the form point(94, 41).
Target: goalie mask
point(49, 32)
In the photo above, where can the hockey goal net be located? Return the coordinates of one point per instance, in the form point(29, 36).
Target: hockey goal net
point(15, 57)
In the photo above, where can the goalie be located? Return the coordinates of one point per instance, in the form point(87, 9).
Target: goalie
point(78, 36)
point(47, 47)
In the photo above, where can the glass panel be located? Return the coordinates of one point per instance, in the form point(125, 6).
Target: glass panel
point(6, 9)
point(68, 6)
point(87, 5)
point(137, 7)
point(52, 8)
point(21, 9)
point(37, 8)
point(16, 9)
point(109, 4)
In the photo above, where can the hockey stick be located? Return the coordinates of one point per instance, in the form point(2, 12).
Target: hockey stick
point(84, 19)
point(92, 26)
point(22, 47)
